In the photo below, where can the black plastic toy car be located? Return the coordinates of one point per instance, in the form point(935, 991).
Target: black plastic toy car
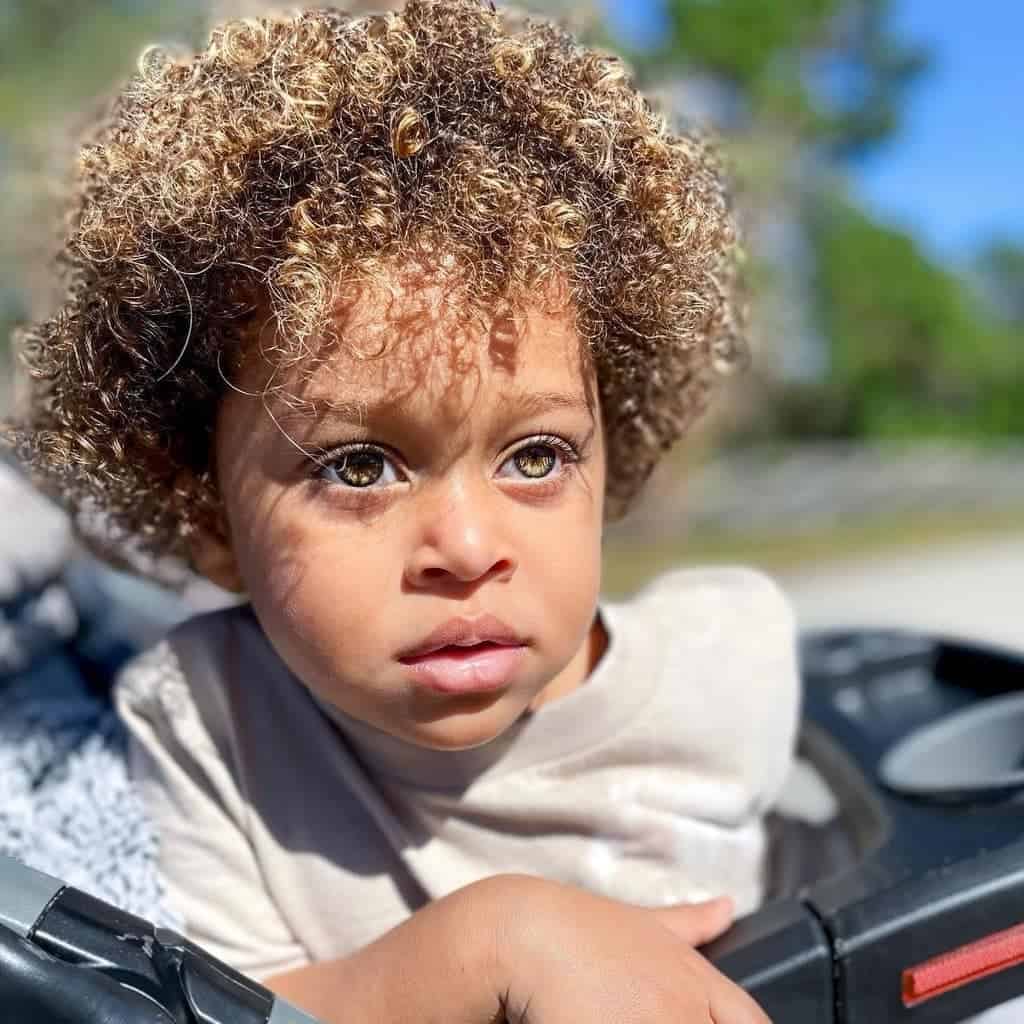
point(910, 906)
point(907, 906)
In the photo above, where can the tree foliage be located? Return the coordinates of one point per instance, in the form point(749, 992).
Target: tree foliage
point(1000, 267)
point(913, 348)
point(831, 70)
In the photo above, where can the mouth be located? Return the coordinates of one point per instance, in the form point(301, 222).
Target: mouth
point(466, 656)
point(456, 652)
point(466, 633)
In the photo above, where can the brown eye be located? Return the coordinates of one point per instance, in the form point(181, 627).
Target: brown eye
point(546, 457)
point(536, 461)
point(358, 468)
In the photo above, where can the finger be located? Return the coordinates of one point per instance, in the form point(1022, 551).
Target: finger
point(736, 1013)
point(697, 923)
point(731, 1005)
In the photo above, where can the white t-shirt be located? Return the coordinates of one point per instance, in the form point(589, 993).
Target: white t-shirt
point(291, 833)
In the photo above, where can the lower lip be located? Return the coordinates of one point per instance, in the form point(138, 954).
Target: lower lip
point(466, 669)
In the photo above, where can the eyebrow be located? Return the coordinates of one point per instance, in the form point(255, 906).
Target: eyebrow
point(531, 403)
point(524, 404)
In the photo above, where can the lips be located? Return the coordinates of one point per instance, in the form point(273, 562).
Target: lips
point(461, 632)
point(466, 656)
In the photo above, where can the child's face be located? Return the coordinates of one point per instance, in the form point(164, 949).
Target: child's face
point(460, 485)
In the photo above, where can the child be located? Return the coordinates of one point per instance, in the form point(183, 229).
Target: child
point(375, 320)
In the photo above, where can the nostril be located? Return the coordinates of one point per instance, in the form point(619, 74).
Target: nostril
point(440, 571)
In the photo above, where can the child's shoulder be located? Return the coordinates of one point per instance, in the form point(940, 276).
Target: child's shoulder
point(188, 676)
point(725, 626)
point(722, 643)
point(714, 597)
point(205, 638)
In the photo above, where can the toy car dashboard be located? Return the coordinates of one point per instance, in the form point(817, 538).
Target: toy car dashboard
point(911, 906)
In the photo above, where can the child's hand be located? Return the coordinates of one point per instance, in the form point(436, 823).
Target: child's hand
point(522, 950)
point(565, 956)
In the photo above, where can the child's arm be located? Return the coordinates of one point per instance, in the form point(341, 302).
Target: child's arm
point(522, 949)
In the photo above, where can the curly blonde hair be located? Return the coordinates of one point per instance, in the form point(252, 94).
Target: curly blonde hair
point(299, 151)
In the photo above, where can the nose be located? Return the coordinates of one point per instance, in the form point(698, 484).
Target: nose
point(460, 540)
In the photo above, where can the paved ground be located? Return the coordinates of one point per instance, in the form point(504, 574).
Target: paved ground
point(974, 589)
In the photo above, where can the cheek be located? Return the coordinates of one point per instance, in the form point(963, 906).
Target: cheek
point(317, 589)
point(273, 550)
point(568, 573)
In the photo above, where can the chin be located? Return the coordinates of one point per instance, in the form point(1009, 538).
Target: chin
point(464, 727)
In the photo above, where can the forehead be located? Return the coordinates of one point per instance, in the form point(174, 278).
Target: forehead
point(410, 339)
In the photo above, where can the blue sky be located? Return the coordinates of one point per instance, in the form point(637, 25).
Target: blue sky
point(955, 176)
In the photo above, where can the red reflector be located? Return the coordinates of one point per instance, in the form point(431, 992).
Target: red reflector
point(961, 966)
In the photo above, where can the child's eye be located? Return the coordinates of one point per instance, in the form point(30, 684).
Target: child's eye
point(539, 458)
point(360, 466)
point(536, 461)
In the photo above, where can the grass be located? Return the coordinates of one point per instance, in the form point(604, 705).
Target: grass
point(630, 562)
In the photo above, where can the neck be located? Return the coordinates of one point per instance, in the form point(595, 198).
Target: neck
point(575, 674)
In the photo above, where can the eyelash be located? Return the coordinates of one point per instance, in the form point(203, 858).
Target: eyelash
point(571, 450)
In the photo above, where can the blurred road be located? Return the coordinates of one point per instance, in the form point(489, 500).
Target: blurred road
point(973, 589)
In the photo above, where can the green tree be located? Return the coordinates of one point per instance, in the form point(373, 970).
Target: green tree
point(911, 349)
point(829, 70)
point(914, 350)
point(1000, 268)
